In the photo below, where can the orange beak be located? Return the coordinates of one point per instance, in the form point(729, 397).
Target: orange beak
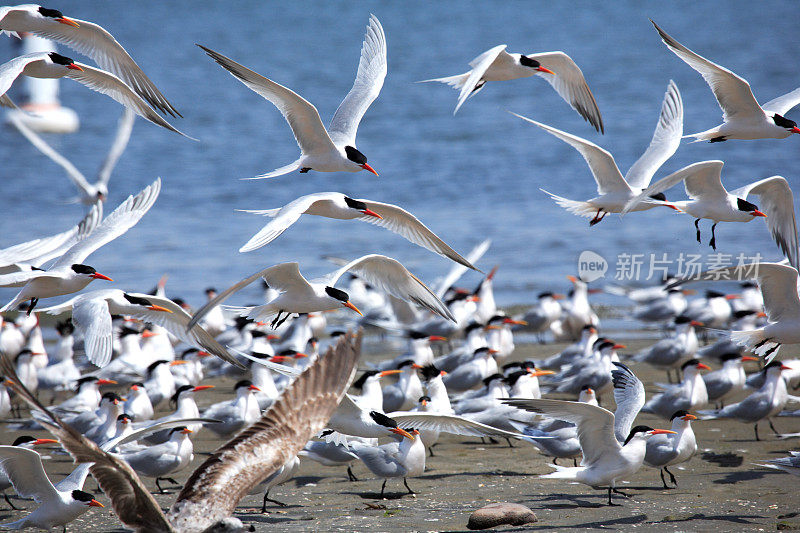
point(299, 355)
point(254, 388)
point(106, 382)
point(97, 275)
point(784, 367)
point(95, 503)
point(69, 22)
point(442, 373)
point(758, 213)
point(514, 322)
point(558, 297)
point(491, 326)
point(272, 336)
point(688, 292)
point(695, 323)
point(369, 168)
point(474, 298)
point(278, 358)
point(492, 351)
point(761, 314)
point(424, 403)
point(675, 207)
point(618, 347)
point(202, 387)
point(689, 417)
point(732, 296)
point(201, 353)
point(433, 338)
point(493, 272)
point(159, 308)
point(573, 279)
point(543, 69)
point(748, 358)
point(589, 391)
point(703, 366)
point(795, 130)
point(371, 213)
point(177, 362)
point(134, 387)
point(349, 305)
point(415, 365)
point(44, 441)
point(186, 431)
point(73, 66)
point(146, 334)
point(537, 373)
point(663, 432)
point(402, 432)
point(389, 372)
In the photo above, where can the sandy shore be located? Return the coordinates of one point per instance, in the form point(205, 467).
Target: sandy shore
point(719, 489)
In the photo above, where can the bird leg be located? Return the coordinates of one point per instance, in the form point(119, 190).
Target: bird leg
point(755, 427)
point(304, 170)
point(597, 218)
point(34, 301)
point(268, 499)
point(430, 452)
point(697, 226)
point(713, 242)
point(11, 504)
point(609, 499)
point(772, 427)
point(409, 488)
point(574, 461)
point(664, 481)
point(669, 375)
point(160, 490)
point(383, 487)
point(617, 491)
point(509, 442)
point(671, 477)
point(350, 475)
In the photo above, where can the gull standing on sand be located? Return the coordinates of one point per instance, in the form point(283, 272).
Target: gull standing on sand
point(673, 448)
point(557, 68)
point(687, 395)
point(334, 149)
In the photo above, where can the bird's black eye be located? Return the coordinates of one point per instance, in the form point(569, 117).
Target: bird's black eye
point(83, 269)
point(784, 122)
point(337, 294)
point(526, 61)
point(58, 59)
point(52, 13)
point(744, 205)
point(354, 155)
point(659, 196)
point(135, 300)
point(355, 204)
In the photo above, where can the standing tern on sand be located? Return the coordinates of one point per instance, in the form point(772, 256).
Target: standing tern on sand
point(710, 199)
point(89, 193)
point(212, 492)
point(68, 274)
point(615, 191)
point(334, 149)
point(742, 117)
point(557, 68)
point(86, 38)
point(52, 65)
point(297, 295)
point(337, 205)
point(778, 285)
point(605, 459)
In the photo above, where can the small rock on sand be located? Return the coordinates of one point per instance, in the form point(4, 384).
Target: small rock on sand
point(497, 514)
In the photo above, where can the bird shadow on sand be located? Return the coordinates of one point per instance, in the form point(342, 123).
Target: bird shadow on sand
point(620, 523)
point(734, 519)
point(725, 460)
point(377, 495)
point(576, 501)
point(745, 475)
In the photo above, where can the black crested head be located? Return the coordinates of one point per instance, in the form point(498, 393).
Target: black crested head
point(82, 381)
point(287, 353)
point(416, 335)
point(23, 353)
point(241, 321)
point(741, 313)
point(124, 331)
point(424, 399)
point(257, 333)
point(189, 351)
point(429, 372)
point(508, 366)
point(382, 419)
point(690, 362)
point(260, 355)
point(472, 326)
point(784, 122)
point(337, 333)
point(600, 340)
point(526, 61)
point(496, 318)
point(83, 269)
point(659, 196)
point(52, 13)
point(82, 496)
point(634, 431)
point(730, 356)
point(58, 59)
point(337, 294)
point(355, 156)
point(403, 364)
point(744, 205)
point(210, 289)
point(355, 204)
point(749, 284)
point(178, 429)
point(513, 377)
point(23, 440)
point(774, 364)
point(359, 383)
point(677, 414)
point(585, 388)
point(605, 345)
point(546, 294)
point(110, 396)
point(489, 379)
point(155, 364)
point(180, 390)
point(682, 319)
point(242, 383)
point(124, 416)
point(312, 340)
point(136, 300)
point(481, 350)
point(139, 384)
point(65, 328)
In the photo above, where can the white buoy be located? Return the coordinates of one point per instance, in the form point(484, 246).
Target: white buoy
point(40, 108)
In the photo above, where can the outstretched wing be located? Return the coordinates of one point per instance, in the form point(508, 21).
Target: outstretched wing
point(479, 66)
point(701, 180)
point(629, 397)
point(366, 88)
point(214, 489)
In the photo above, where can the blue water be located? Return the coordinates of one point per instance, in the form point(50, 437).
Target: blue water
point(468, 177)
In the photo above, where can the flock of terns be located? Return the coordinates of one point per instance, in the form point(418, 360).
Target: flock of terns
point(288, 392)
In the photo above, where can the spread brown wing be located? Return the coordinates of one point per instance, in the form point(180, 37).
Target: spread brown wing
point(132, 502)
point(214, 489)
